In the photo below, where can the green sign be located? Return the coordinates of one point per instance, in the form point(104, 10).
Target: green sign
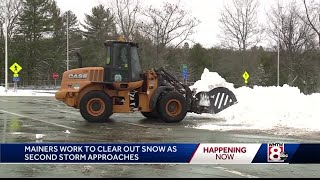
point(184, 66)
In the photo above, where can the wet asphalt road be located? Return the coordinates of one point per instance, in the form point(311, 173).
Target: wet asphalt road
point(21, 118)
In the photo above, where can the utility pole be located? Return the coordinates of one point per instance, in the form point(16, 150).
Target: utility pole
point(278, 58)
point(67, 40)
point(279, 26)
point(6, 48)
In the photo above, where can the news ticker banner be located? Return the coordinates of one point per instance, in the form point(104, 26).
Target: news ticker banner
point(153, 153)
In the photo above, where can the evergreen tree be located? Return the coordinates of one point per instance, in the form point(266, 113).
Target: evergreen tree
point(56, 21)
point(74, 35)
point(99, 26)
point(199, 59)
point(34, 23)
point(259, 77)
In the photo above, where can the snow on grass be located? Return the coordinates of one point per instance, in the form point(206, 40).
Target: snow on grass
point(25, 92)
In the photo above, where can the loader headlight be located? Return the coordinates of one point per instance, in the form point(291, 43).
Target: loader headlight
point(76, 86)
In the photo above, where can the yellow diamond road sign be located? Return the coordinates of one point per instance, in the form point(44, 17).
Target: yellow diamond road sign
point(245, 76)
point(15, 68)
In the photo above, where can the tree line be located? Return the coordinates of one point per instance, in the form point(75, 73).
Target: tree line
point(37, 32)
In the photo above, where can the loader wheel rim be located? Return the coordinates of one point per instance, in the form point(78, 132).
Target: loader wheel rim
point(96, 107)
point(173, 107)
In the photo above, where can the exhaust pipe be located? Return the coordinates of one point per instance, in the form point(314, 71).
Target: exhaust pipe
point(79, 59)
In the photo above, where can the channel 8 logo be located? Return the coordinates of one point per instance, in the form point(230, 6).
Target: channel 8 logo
point(276, 152)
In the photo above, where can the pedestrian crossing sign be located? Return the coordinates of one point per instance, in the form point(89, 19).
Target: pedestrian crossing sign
point(15, 68)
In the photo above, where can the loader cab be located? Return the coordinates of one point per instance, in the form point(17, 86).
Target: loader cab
point(122, 62)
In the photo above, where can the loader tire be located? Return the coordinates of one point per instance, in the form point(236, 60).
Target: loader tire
point(151, 115)
point(96, 106)
point(172, 107)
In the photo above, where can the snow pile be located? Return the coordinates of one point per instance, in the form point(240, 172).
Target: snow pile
point(210, 80)
point(264, 107)
point(23, 92)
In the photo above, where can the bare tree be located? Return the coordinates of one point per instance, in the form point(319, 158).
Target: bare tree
point(240, 28)
point(295, 37)
point(9, 9)
point(312, 17)
point(126, 16)
point(168, 26)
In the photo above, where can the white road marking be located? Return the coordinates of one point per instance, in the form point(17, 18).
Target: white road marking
point(77, 113)
point(3, 100)
point(55, 124)
point(71, 112)
point(236, 172)
point(135, 124)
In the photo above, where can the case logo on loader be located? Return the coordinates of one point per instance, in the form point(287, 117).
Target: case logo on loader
point(77, 76)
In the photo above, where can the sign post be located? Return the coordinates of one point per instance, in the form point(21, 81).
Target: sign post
point(55, 77)
point(15, 68)
point(185, 73)
point(15, 80)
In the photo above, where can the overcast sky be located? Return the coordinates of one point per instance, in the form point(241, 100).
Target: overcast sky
point(207, 11)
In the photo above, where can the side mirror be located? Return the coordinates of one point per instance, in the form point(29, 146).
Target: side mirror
point(79, 59)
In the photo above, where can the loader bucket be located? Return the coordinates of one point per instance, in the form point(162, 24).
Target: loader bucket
point(216, 100)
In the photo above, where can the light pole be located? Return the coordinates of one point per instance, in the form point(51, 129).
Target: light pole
point(278, 57)
point(67, 40)
point(5, 28)
point(278, 66)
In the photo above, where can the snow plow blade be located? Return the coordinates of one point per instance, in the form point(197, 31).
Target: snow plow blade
point(216, 100)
